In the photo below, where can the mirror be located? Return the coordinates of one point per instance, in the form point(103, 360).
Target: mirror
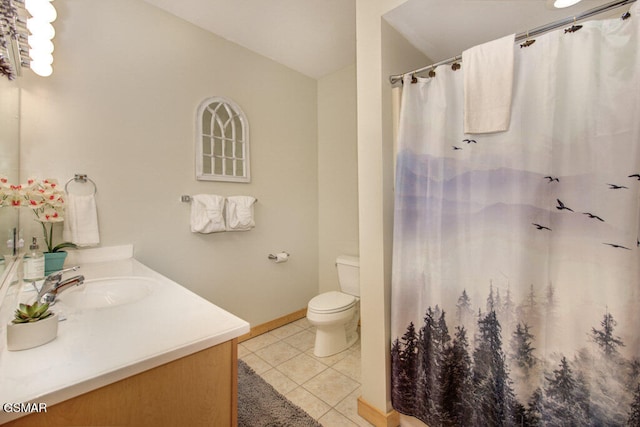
point(9, 158)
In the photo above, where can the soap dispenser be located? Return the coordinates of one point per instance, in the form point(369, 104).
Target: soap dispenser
point(33, 263)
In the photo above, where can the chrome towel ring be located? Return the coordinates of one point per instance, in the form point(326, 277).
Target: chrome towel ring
point(82, 179)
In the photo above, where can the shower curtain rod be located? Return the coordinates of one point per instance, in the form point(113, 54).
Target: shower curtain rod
point(527, 34)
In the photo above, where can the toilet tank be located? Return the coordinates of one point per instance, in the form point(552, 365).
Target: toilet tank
point(349, 274)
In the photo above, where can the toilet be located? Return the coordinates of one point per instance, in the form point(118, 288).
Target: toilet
point(335, 314)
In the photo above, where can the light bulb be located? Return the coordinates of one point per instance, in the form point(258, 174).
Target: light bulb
point(40, 28)
point(564, 3)
point(41, 9)
point(41, 44)
point(41, 69)
point(40, 57)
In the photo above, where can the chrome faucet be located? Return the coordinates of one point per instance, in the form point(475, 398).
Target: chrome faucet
point(53, 285)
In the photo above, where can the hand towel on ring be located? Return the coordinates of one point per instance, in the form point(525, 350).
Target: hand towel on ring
point(81, 220)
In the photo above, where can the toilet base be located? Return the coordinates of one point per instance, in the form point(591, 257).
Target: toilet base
point(331, 340)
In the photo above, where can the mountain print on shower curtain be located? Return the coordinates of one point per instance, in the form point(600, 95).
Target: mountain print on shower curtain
point(492, 352)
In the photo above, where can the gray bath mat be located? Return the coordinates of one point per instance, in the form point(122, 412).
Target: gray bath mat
point(260, 405)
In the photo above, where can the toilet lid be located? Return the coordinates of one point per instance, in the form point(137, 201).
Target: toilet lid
point(331, 302)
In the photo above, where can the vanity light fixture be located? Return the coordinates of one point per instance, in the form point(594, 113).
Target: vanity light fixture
point(42, 32)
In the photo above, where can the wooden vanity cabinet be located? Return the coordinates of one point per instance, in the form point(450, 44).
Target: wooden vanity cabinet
point(197, 390)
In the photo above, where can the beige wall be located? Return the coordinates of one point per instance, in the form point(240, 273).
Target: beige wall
point(374, 220)
point(380, 52)
point(121, 106)
point(337, 173)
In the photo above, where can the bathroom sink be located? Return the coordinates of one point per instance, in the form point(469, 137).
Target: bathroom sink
point(107, 292)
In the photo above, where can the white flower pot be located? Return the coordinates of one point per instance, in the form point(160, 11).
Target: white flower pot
point(21, 336)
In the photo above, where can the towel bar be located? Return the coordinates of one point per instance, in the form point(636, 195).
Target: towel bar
point(185, 198)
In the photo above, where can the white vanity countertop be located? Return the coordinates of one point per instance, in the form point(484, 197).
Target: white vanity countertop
point(100, 346)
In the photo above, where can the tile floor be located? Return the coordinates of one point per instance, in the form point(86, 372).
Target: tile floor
point(326, 388)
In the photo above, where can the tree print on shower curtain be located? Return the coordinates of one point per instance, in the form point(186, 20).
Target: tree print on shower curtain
point(516, 265)
point(461, 386)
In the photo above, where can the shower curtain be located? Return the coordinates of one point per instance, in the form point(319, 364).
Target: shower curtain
point(516, 278)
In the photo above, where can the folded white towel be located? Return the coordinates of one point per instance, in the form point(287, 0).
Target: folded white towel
point(81, 220)
point(488, 85)
point(240, 213)
point(206, 213)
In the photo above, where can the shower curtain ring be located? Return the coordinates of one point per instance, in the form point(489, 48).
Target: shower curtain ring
point(527, 42)
point(574, 27)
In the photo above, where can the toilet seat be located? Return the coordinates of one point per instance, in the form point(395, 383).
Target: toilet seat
point(331, 302)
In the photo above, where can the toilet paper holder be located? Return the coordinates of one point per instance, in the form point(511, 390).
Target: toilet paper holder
point(275, 257)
